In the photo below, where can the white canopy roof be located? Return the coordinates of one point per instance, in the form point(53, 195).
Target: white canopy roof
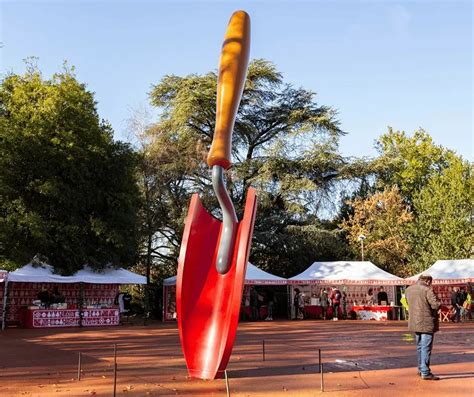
point(44, 274)
point(341, 272)
point(109, 276)
point(454, 271)
point(253, 275)
point(41, 273)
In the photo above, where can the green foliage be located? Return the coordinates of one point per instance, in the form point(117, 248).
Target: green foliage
point(284, 144)
point(435, 184)
point(443, 227)
point(67, 190)
point(408, 162)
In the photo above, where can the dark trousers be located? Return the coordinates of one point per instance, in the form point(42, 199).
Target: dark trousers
point(457, 315)
point(324, 311)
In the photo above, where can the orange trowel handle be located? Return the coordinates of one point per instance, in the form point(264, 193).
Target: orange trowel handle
point(232, 70)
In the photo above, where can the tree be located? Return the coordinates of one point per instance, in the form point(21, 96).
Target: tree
point(384, 219)
point(67, 190)
point(284, 144)
point(443, 226)
point(408, 162)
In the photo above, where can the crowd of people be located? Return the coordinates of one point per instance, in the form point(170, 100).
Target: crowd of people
point(333, 303)
point(461, 302)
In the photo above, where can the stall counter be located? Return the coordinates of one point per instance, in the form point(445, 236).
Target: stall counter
point(378, 313)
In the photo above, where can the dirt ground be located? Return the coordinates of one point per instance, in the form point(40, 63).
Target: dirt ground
point(360, 358)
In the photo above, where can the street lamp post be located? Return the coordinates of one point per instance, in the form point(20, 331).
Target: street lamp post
point(361, 239)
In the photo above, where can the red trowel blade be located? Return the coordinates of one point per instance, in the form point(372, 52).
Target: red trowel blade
point(207, 302)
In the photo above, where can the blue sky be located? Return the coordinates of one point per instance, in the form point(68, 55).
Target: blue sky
point(380, 63)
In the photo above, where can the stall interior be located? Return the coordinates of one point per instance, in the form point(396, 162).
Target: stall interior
point(256, 300)
point(54, 304)
point(365, 302)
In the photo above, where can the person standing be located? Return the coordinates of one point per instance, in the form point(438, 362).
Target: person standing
point(336, 302)
point(324, 301)
point(270, 304)
point(344, 305)
point(298, 303)
point(254, 305)
point(369, 297)
point(44, 296)
point(382, 297)
point(423, 321)
point(456, 302)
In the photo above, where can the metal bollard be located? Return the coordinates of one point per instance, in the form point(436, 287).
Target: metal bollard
point(115, 370)
point(263, 349)
point(319, 352)
point(79, 367)
point(322, 377)
point(227, 383)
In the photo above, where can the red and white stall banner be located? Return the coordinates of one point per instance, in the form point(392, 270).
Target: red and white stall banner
point(54, 318)
point(100, 317)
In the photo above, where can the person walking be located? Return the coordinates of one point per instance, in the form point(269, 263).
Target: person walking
point(423, 321)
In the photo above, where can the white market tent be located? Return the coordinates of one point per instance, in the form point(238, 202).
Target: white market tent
point(253, 276)
point(43, 273)
point(341, 272)
point(454, 271)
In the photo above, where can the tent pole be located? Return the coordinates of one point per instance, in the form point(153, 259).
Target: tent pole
point(4, 313)
point(164, 304)
point(288, 306)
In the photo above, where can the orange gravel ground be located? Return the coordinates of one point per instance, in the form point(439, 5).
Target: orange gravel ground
point(360, 358)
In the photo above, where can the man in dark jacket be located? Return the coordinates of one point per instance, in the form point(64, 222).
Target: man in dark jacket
point(457, 301)
point(423, 305)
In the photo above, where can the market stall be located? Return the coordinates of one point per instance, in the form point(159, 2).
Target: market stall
point(353, 280)
point(253, 276)
point(85, 299)
point(446, 275)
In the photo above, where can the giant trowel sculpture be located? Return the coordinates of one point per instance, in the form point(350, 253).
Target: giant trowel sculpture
point(214, 254)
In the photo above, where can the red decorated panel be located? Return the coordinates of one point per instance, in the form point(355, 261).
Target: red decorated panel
point(54, 318)
point(100, 317)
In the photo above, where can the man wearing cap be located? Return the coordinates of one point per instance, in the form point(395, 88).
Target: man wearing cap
point(423, 321)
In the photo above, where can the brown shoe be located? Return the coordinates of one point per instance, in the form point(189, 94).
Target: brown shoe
point(430, 377)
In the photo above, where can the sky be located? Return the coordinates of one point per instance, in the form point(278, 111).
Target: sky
point(404, 64)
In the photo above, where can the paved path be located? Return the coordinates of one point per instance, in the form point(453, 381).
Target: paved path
point(360, 358)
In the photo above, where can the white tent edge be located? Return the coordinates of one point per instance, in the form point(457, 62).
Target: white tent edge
point(383, 277)
point(459, 276)
point(253, 276)
point(43, 273)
